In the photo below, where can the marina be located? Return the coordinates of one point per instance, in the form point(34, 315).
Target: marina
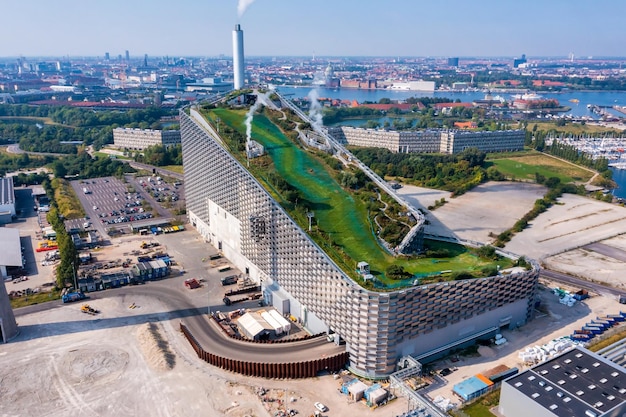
point(606, 146)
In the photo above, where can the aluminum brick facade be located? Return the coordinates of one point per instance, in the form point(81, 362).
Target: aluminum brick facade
point(377, 326)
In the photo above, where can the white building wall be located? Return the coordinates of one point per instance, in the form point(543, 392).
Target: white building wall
point(142, 138)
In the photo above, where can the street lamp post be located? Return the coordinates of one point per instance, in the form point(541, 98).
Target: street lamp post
point(74, 276)
point(310, 215)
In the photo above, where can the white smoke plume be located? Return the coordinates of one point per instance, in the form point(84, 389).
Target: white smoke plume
point(242, 6)
point(262, 100)
point(315, 109)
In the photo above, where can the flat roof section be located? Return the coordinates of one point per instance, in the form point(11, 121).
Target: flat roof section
point(574, 383)
point(10, 247)
point(7, 196)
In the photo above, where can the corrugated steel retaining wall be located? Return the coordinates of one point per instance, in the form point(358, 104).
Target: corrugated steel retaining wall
point(268, 370)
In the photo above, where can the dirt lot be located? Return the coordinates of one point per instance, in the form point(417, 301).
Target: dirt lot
point(134, 361)
point(67, 363)
point(592, 265)
point(474, 215)
point(574, 222)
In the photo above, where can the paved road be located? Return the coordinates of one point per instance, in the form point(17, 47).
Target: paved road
point(159, 170)
point(607, 250)
point(15, 149)
point(206, 332)
point(581, 283)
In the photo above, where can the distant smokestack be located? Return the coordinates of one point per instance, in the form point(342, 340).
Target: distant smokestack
point(238, 65)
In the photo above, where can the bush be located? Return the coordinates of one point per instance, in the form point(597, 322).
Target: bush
point(461, 275)
point(396, 272)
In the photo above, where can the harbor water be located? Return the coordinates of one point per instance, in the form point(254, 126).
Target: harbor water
point(576, 100)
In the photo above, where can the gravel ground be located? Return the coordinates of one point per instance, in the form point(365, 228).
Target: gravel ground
point(573, 222)
point(477, 214)
point(67, 363)
point(133, 362)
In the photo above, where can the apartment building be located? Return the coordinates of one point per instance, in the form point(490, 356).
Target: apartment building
point(139, 139)
point(431, 140)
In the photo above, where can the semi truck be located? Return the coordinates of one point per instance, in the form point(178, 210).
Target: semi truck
point(228, 301)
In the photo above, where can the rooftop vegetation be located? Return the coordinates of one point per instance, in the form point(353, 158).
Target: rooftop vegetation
point(351, 216)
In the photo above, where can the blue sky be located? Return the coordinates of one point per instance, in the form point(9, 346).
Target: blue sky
point(323, 27)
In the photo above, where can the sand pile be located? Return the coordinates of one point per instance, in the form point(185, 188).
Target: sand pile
point(155, 348)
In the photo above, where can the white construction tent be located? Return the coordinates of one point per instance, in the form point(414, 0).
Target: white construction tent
point(286, 324)
point(254, 325)
point(250, 326)
point(278, 329)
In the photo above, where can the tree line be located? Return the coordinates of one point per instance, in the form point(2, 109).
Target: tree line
point(455, 173)
point(159, 155)
point(74, 124)
point(83, 165)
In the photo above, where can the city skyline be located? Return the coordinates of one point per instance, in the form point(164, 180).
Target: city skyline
point(323, 28)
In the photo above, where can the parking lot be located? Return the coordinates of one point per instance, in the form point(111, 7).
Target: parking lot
point(111, 203)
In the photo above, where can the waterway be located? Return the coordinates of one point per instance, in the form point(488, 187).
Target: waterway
point(619, 176)
point(599, 98)
point(578, 105)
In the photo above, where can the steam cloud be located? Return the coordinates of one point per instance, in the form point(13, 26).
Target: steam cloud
point(262, 100)
point(242, 6)
point(315, 109)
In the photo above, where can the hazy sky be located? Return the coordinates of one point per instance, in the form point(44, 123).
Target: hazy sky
point(323, 27)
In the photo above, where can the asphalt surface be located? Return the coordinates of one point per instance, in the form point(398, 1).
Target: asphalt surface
point(582, 283)
point(607, 250)
point(171, 293)
point(101, 199)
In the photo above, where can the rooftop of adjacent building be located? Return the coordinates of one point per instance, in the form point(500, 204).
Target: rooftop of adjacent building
point(574, 383)
point(7, 195)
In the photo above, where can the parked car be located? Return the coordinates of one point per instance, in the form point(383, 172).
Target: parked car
point(320, 407)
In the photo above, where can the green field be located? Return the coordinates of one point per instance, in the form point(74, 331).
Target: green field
point(338, 213)
point(29, 120)
point(174, 168)
point(37, 298)
point(524, 168)
point(573, 128)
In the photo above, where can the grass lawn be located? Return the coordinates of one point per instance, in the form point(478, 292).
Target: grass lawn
point(30, 120)
point(38, 298)
point(174, 168)
point(574, 128)
point(525, 167)
point(337, 212)
point(478, 410)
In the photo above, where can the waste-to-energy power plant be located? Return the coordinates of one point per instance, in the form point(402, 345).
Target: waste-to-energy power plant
point(10, 256)
point(234, 212)
point(238, 64)
point(8, 325)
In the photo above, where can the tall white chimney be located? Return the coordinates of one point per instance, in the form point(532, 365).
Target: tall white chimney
point(238, 65)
